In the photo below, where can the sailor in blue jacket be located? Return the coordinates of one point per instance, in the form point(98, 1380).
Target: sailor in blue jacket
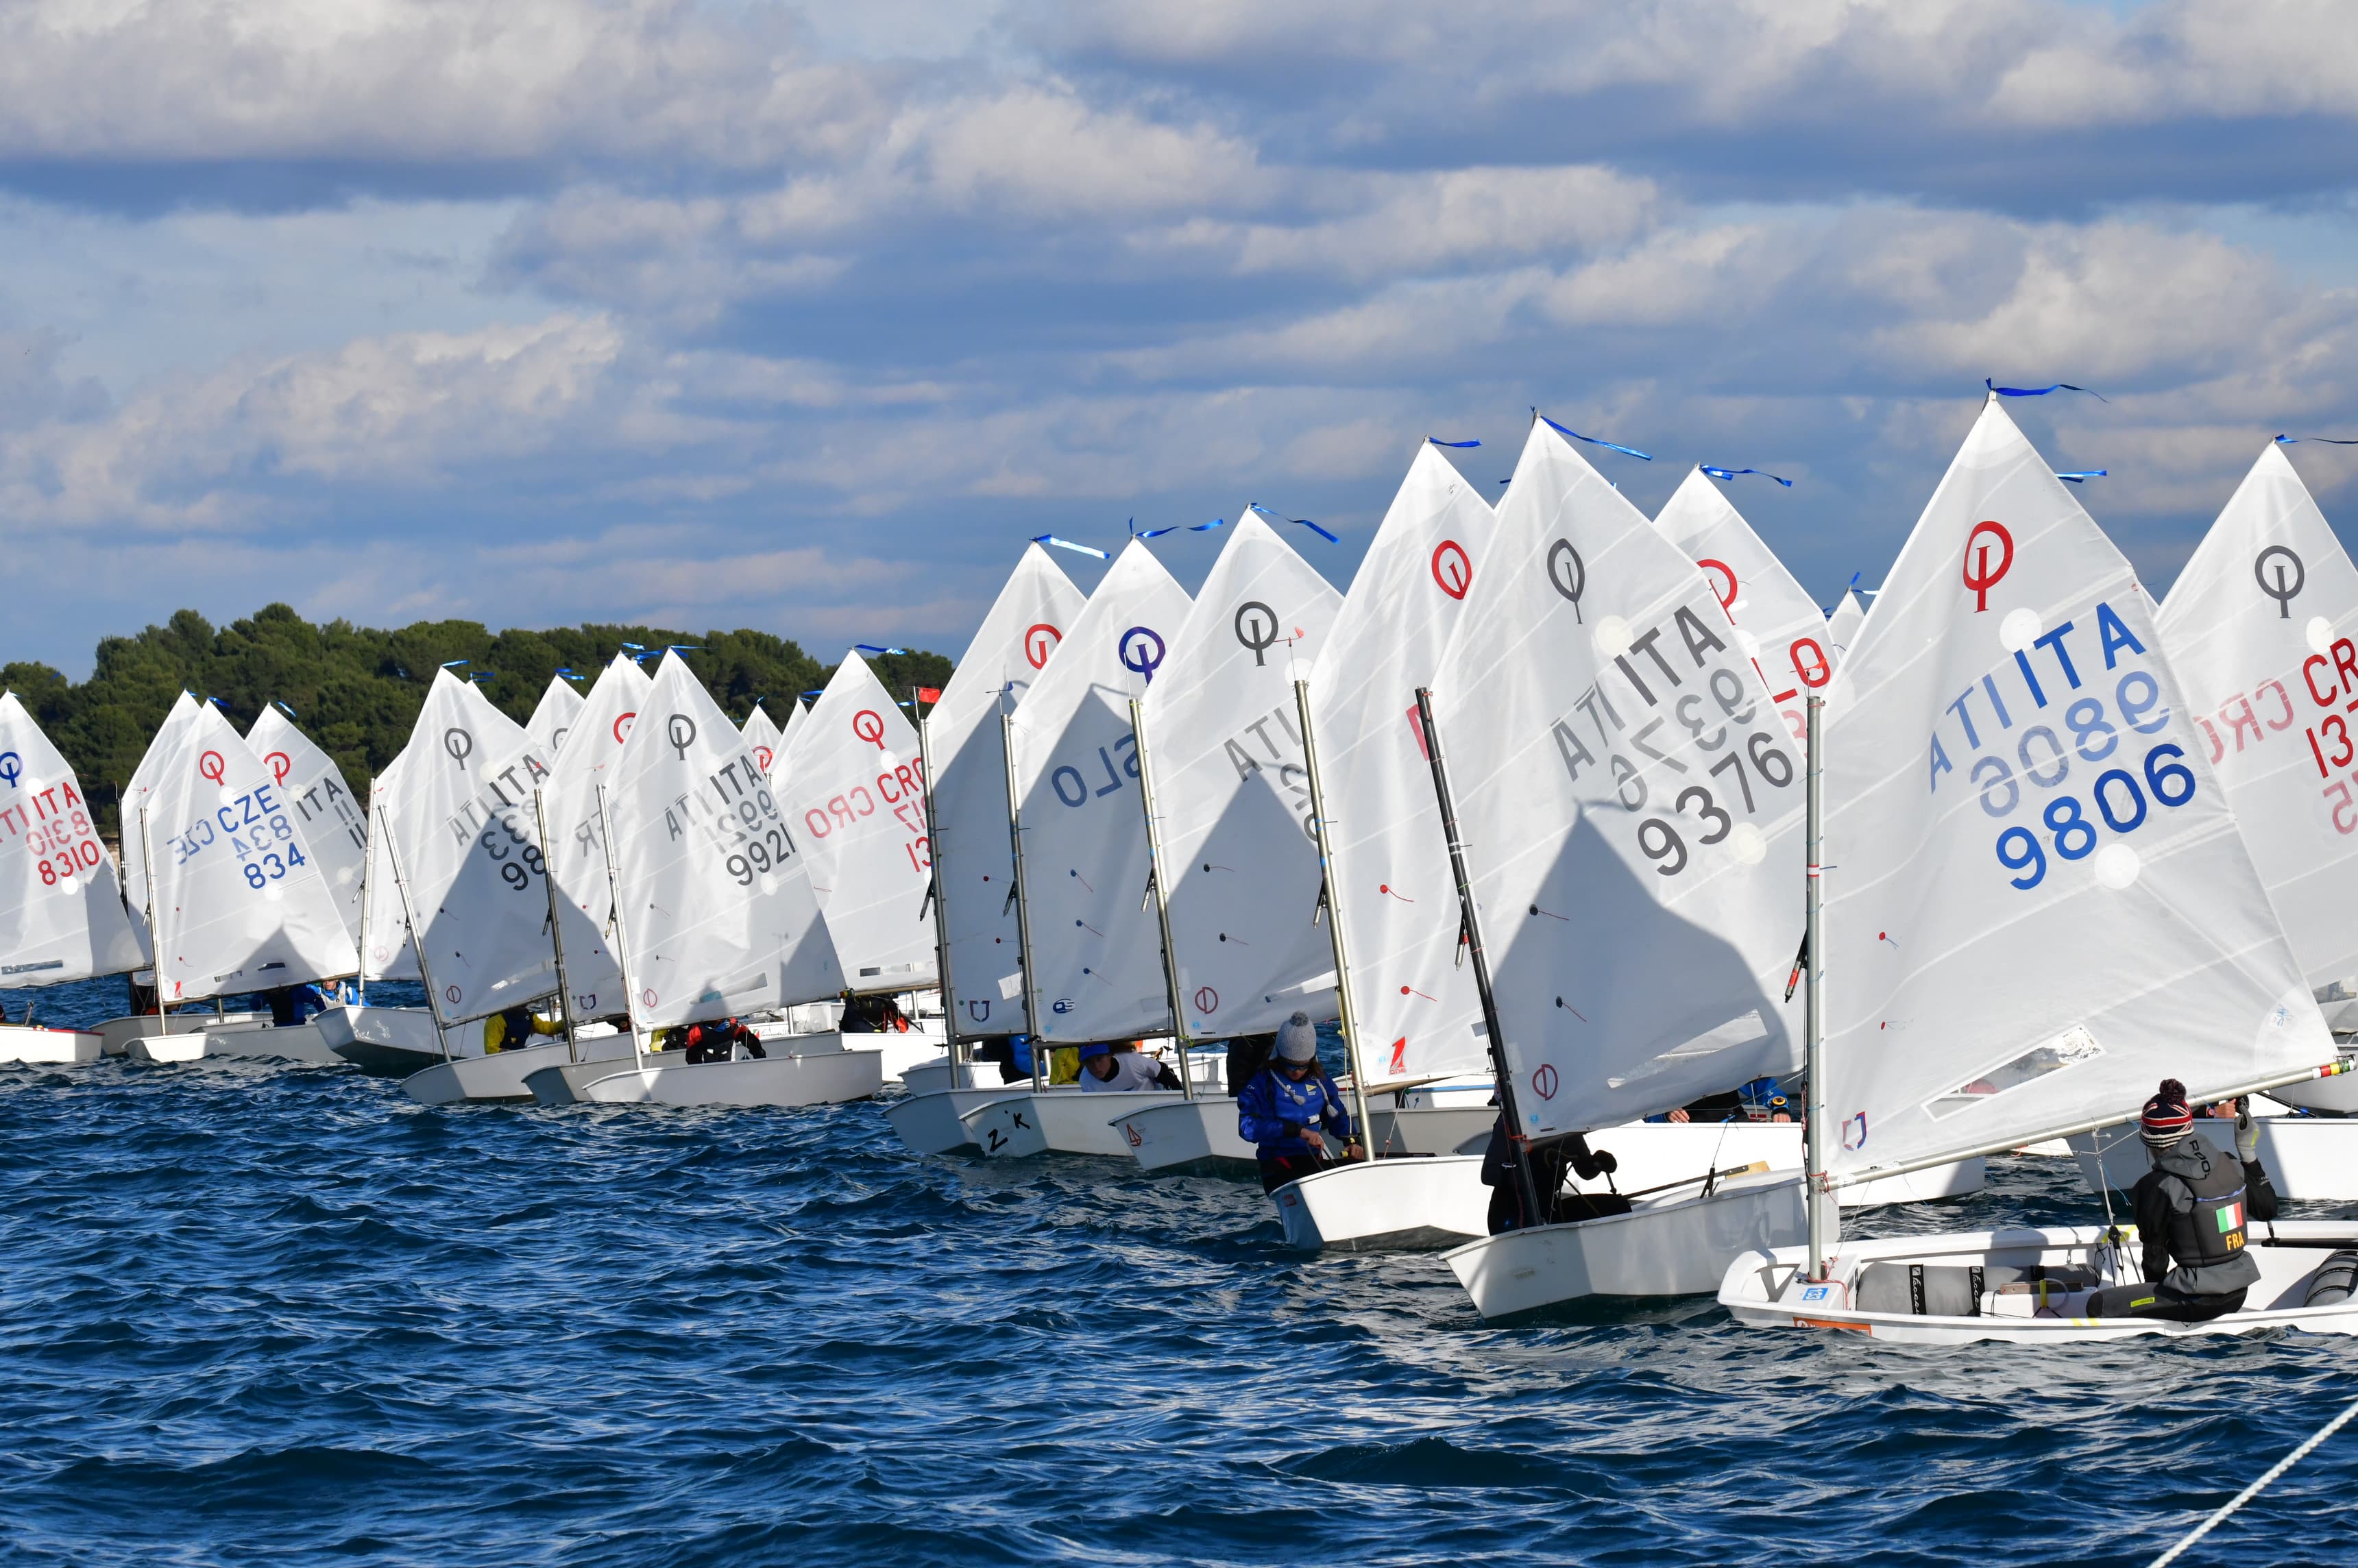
point(1291, 1110)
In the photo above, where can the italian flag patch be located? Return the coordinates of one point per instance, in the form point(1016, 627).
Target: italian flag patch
point(2231, 1218)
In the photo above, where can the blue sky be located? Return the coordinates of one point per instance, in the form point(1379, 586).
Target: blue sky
point(741, 314)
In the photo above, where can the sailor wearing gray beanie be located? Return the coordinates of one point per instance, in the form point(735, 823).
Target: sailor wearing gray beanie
point(1292, 1111)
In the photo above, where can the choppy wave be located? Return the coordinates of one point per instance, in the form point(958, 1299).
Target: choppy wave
point(257, 1314)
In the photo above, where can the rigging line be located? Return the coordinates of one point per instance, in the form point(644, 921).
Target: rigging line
point(2248, 1493)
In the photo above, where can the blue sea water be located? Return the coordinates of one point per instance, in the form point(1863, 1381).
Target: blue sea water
point(264, 1314)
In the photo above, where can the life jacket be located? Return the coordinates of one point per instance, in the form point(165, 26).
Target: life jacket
point(2211, 1232)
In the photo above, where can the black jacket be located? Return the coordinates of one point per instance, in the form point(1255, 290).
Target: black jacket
point(2190, 1210)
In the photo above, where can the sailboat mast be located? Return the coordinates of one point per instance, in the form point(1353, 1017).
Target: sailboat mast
point(1814, 1018)
point(1160, 882)
point(367, 860)
point(621, 934)
point(556, 936)
point(1022, 900)
point(1473, 923)
point(416, 931)
point(1333, 917)
point(155, 933)
point(951, 1044)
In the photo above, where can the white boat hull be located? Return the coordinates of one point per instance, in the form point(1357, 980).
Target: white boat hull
point(1663, 1247)
point(934, 1123)
point(292, 1043)
point(394, 1041)
point(500, 1076)
point(1763, 1289)
point(163, 1048)
point(37, 1047)
point(1058, 1121)
point(1200, 1137)
point(1193, 1137)
point(928, 1077)
point(1411, 1203)
point(118, 1032)
point(826, 1076)
point(2312, 1157)
point(1440, 1202)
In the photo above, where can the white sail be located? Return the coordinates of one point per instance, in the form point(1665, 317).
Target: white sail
point(2037, 904)
point(459, 806)
point(765, 739)
point(852, 784)
point(60, 906)
point(1097, 958)
point(1027, 623)
point(1411, 995)
point(1631, 806)
point(239, 901)
point(1232, 795)
point(388, 952)
point(2260, 632)
point(576, 846)
point(716, 908)
point(797, 717)
point(1780, 627)
point(335, 827)
point(552, 720)
point(1843, 625)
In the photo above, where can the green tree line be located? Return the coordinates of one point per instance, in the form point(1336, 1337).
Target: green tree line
point(356, 690)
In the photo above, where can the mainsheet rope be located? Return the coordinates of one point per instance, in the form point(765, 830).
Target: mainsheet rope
point(2254, 1490)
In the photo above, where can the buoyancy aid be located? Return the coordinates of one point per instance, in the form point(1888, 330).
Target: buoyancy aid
point(2206, 1218)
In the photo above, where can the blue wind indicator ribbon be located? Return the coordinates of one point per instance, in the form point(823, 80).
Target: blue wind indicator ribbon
point(2041, 391)
point(454, 663)
point(1731, 473)
point(684, 648)
point(820, 692)
point(639, 645)
point(482, 675)
point(1137, 532)
point(2081, 476)
point(1439, 442)
point(873, 652)
point(1064, 545)
point(1592, 440)
point(217, 702)
point(283, 708)
point(2322, 440)
point(1306, 522)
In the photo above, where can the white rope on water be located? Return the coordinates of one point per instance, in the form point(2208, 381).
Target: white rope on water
point(2254, 1490)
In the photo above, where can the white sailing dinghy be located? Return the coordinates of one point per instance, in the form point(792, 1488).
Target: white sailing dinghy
point(215, 854)
point(62, 915)
point(2262, 631)
point(2041, 908)
point(797, 717)
point(852, 784)
point(567, 828)
point(762, 739)
point(1236, 857)
point(977, 923)
point(973, 859)
point(714, 918)
point(1408, 999)
point(554, 716)
point(335, 829)
point(1629, 805)
point(1092, 949)
point(455, 819)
